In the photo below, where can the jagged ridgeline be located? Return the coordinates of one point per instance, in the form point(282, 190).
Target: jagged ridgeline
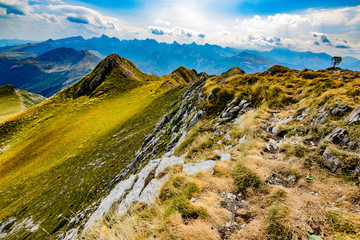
point(118, 135)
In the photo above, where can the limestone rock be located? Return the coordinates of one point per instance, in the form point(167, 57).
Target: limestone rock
point(115, 195)
point(273, 144)
point(354, 116)
point(167, 162)
point(339, 110)
point(225, 156)
point(152, 190)
point(242, 139)
point(337, 135)
point(193, 168)
point(196, 118)
point(133, 195)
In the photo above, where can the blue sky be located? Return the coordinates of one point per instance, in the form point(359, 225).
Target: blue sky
point(330, 26)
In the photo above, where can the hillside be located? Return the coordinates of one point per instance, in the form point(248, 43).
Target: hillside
point(274, 156)
point(60, 156)
point(49, 72)
point(125, 155)
point(13, 101)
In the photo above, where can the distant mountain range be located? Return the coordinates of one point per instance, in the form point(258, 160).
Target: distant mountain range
point(12, 42)
point(49, 72)
point(161, 58)
point(47, 67)
point(301, 60)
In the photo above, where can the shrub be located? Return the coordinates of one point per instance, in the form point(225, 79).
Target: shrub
point(244, 178)
point(277, 97)
point(275, 218)
point(178, 192)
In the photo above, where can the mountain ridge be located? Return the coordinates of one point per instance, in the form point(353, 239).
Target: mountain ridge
point(233, 148)
point(161, 58)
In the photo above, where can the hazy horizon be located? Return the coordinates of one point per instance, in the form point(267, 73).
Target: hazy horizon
point(321, 26)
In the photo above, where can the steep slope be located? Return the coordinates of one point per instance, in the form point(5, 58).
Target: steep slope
point(275, 155)
point(58, 158)
point(49, 72)
point(13, 101)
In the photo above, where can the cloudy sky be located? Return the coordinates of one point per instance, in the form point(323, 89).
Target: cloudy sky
point(331, 26)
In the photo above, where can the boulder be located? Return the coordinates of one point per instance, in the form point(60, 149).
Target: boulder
point(354, 116)
point(331, 162)
point(225, 156)
point(193, 168)
point(337, 135)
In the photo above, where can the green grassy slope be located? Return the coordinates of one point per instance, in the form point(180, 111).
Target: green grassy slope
point(13, 101)
point(61, 155)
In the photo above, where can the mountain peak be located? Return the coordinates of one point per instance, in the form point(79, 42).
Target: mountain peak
point(113, 69)
point(277, 69)
point(6, 89)
point(104, 36)
point(60, 54)
point(183, 75)
point(233, 71)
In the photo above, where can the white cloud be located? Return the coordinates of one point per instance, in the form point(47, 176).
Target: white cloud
point(176, 32)
point(2, 11)
point(83, 15)
point(16, 7)
point(159, 21)
point(185, 21)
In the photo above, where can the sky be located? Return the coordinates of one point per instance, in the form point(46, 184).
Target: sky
point(331, 26)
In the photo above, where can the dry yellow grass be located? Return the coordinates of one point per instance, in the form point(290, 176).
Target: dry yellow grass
point(327, 206)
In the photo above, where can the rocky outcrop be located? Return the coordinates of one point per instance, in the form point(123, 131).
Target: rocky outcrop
point(174, 125)
point(102, 70)
point(234, 109)
point(145, 186)
point(139, 185)
point(354, 116)
point(337, 135)
point(331, 162)
point(339, 110)
point(115, 195)
point(193, 168)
